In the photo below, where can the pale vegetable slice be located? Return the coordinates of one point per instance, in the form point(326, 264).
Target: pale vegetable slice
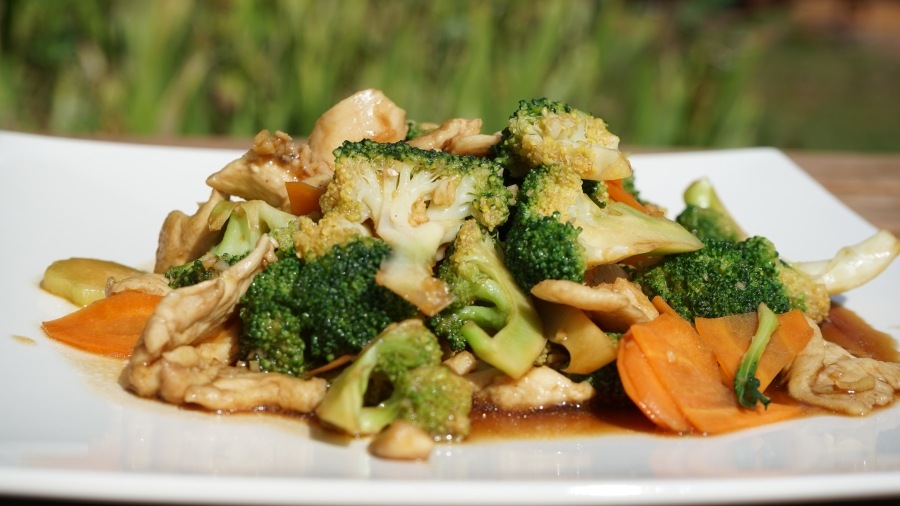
point(854, 265)
point(589, 347)
point(83, 280)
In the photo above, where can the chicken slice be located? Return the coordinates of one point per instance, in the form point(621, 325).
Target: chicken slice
point(639, 309)
point(614, 306)
point(367, 114)
point(826, 375)
point(458, 136)
point(150, 283)
point(261, 173)
point(541, 387)
point(183, 238)
point(186, 350)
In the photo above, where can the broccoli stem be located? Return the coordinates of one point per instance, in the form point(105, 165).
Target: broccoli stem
point(746, 384)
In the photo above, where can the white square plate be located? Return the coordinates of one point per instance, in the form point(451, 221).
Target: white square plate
point(68, 431)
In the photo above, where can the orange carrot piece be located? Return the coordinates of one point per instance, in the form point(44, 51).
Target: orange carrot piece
point(729, 337)
point(663, 307)
point(686, 370)
point(641, 385)
point(618, 193)
point(110, 326)
point(304, 198)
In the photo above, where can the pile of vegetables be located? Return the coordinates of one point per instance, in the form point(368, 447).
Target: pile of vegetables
point(415, 271)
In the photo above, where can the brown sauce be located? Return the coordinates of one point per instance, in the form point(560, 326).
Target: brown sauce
point(561, 422)
point(847, 329)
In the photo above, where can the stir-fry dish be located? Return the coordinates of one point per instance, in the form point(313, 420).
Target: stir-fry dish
point(385, 278)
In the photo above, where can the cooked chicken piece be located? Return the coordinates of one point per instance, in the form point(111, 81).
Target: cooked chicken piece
point(574, 294)
point(614, 306)
point(183, 238)
point(151, 283)
point(826, 375)
point(260, 174)
point(367, 114)
point(187, 315)
point(186, 350)
point(639, 308)
point(458, 136)
point(541, 387)
point(238, 389)
point(462, 363)
point(402, 440)
point(473, 145)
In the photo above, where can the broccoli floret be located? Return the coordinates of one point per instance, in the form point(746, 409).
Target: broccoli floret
point(273, 327)
point(547, 132)
point(706, 216)
point(208, 266)
point(725, 278)
point(490, 313)
point(300, 313)
point(746, 384)
point(415, 200)
point(244, 222)
point(424, 392)
point(559, 231)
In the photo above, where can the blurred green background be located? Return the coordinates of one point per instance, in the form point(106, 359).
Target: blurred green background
point(817, 74)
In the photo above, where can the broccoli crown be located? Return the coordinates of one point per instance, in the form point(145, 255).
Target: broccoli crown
point(295, 311)
point(341, 283)
point(273, 326)
point(415, 200)
point(435, 399)
point(245, 223)
point(423, 391)
point(558, 230)
point(720, 279)
point(490, 313)
point(206, 267)
point(436, 186)
point(543, 247)
point(705, 214)
point(544, 132)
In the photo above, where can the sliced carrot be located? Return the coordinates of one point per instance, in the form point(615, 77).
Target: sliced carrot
point(677, 364)
point(304, 197)
point(729, 337)
point(650, 395)
point(110, 326)
point(663, 307)
point(618, 193)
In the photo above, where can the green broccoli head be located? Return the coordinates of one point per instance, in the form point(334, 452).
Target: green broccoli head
point(726, 278)
point(706, 216)
point(559, 231)
point(208, 266)
point(244, 223)
point(490, 313)
point(272, 334)
point(295, 311)
point(423, 391)
point(415, 200)
point(547, 132)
